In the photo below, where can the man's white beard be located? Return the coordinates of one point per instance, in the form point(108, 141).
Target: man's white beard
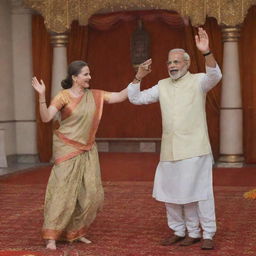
point(179, 74)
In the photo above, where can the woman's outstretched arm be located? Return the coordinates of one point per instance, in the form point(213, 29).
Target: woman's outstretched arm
point(116, 97)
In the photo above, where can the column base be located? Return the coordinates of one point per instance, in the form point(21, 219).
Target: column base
point(231, 158)
point(228, 165)
point(23, 159)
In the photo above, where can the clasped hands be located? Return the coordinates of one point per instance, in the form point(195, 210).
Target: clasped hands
point(144, 69)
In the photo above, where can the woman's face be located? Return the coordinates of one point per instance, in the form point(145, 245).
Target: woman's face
point(83, 78)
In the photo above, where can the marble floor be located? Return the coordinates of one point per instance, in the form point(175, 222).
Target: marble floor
point(15, 167)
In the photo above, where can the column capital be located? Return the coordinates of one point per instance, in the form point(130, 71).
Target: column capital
point(59, 39)
point(18, 7)
point(230, 33)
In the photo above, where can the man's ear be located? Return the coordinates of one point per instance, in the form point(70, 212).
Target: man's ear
point(188, 63)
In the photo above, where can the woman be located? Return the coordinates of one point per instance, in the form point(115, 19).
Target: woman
point(74, 192)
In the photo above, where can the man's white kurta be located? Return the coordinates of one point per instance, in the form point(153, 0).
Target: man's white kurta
point(184, 181)
point(187, 180)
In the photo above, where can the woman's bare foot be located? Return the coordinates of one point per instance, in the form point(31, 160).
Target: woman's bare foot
point(84, 240)
point(51, 244)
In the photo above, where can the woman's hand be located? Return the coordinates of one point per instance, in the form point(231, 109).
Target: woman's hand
point(46, 114)
point(39, 87)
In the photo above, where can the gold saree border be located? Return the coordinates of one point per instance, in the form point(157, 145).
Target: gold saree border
point(68, 110)
point(75, 144)
point(98, 96)
point(63, 235)
point(99, 100)
point(65, 103)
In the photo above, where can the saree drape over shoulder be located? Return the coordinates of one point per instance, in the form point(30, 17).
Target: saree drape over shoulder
point(74, 192)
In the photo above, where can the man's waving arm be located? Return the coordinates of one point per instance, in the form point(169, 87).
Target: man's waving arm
point(213, 73)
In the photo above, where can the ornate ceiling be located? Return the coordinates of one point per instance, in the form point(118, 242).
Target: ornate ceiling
point(59, 14)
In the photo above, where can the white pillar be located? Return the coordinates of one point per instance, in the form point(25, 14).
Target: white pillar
point(3, 160)
point(231, 115)
point(59, 66)
point(7, 118)
point(24, 95)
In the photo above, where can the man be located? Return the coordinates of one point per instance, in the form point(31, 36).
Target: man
point(183, 178)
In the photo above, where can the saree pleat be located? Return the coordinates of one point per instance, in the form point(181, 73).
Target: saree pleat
point(74, 192)
point(73, 197)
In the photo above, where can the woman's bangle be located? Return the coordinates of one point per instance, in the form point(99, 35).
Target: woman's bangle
point(42, 102)
point(206, 54)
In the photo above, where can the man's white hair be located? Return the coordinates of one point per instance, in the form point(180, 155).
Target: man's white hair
point(185, 54)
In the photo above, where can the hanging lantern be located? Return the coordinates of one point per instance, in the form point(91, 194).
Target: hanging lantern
point(139, 45)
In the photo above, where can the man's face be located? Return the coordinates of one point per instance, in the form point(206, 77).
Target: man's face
point(177, 66)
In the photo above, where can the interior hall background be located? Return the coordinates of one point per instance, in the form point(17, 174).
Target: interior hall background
point(105, 44)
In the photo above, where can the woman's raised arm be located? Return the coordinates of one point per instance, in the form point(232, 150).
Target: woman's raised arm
point(46, 114)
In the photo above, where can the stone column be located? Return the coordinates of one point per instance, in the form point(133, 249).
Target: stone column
point(3, 160)
point(24, 95)
point(7, 117)
point(59, 66)
point(231, 115)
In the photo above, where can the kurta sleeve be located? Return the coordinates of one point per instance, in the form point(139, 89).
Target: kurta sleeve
point(147, 96)
point(211, 78)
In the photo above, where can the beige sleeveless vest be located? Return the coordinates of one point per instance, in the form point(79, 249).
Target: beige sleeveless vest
point(185, 133)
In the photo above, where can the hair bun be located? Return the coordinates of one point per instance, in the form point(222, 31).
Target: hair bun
point(66, 83)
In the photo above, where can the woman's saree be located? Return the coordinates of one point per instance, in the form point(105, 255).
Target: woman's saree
point(74, 192)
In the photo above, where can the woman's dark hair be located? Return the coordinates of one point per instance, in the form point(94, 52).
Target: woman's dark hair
point(74, 69)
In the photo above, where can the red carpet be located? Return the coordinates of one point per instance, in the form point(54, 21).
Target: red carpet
point(131, 223)
point(20, 253)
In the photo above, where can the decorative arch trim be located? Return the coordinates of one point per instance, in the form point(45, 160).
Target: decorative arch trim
point(59, 14)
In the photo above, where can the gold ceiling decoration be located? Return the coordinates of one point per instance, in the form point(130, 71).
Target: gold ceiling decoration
point(59, 14)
